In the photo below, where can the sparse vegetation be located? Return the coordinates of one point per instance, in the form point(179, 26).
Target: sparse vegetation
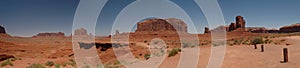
point(49, 63)
point(7, 62)
point(147, 56)
point(257, 40)
point(268, 41)
point(57, 65)
point(36, 65)
point(174, 51)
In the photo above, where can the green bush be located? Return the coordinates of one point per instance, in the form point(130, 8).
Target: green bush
point(268, 41)
point(257, 40)
point(7, 62)
point(49, 63)
point(71, 62)
point(35, 65)
point(174, 51)
point(57, 65)
point(147, 56)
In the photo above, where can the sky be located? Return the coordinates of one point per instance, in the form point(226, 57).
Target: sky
point(29, 17)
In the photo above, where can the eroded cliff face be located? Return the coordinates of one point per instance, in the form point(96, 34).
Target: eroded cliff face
point(290, 28)
point(2, 30)
point(161, 26)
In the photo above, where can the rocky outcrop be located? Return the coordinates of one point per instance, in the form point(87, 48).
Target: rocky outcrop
point(80, 32)
point(206, 30)
point(2, 30)
point(240, 22)
point(290, 28)
point(238, 25)
point(117, 32)
point(232, 27)
point(161, 25)
point(58, 34)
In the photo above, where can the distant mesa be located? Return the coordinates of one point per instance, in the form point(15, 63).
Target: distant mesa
point(58, 34)
point(81, 32)
point(161, 26)
point(2, 30)
point(290, 28)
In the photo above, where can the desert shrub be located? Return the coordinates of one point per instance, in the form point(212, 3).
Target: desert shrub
point(72, 62)
point(257, 40)
point(7, 62)
point(57, 65)
point(117, 62)
point(49, 63)
point(268, 41)
point(110, 66)
point(35, 65)
point(246, 42)
point(238, 41)
point(147, 56)
point(185, 45)
point(174, 51)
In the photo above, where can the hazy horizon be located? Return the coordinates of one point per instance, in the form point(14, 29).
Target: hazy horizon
point(30, 17)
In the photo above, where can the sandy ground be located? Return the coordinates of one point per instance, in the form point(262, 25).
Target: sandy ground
point(237, 56)
point(245, 56)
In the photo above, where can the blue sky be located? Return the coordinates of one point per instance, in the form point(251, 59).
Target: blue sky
point(29, 17)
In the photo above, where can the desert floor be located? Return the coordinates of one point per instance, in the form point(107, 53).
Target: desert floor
point(237, 56)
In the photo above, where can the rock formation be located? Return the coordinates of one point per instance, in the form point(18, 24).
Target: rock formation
point(2, 30)
point(161, 25)
point(81, 32)
point(240, 22)
point(290, 28)
point(206, 30)
point(238, 25)
point(117, 32)
point(232, 27)
point(58, 34)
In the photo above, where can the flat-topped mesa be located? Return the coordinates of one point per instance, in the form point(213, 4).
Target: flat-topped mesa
point(2, 30)
point(58, 34)
point(290, 28)
point(161, 26)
